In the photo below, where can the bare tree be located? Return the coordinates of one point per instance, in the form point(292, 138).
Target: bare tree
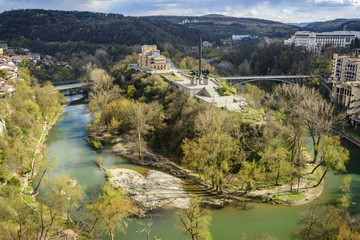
point(145, 226)
point(307, 105)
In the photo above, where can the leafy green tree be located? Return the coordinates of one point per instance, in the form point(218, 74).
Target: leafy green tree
point(17, 219)
point(345, 200)
point(66, 192)
point(330, 222)
point(111, 208)
point(49, 102)
point(249, 174)
point(214, 152)
point(131, 90)
point(274, 158)
point(2, 73)
point(211, 156)
point(332, 155)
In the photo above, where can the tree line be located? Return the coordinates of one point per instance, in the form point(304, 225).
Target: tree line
point(225, 151)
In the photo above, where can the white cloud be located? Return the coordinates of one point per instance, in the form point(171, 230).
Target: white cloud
point(278, 10)
point(329, 1)
point(355, 2)
point(98, 5)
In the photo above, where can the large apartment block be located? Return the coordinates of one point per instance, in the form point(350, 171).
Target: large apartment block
point(345, 84)
point(316, 40)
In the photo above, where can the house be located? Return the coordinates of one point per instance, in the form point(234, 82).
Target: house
point(4, 46)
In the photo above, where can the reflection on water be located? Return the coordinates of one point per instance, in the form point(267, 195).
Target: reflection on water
point(67, 141)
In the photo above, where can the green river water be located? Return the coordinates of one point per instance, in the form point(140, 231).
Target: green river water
point(67, 141)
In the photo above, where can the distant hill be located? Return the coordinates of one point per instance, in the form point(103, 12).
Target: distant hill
point(303, 24)
point(221, 26)
point(335, 25)
point(94, 28)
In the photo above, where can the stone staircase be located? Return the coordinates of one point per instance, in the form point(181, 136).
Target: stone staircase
point(213, 92)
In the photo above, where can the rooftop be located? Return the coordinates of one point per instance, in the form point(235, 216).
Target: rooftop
point(349, 33)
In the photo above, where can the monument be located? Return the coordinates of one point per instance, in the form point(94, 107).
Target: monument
point(199, 80)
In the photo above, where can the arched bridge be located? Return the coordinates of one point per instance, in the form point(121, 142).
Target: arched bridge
point(238, 80)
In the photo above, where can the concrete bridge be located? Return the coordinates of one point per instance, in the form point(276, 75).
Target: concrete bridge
point(71, 85)
point(238, 80)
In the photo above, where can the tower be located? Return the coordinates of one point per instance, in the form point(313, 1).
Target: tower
point(200, 56)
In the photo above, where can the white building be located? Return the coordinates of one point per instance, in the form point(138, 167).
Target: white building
point(315, 41)
point(242, 37)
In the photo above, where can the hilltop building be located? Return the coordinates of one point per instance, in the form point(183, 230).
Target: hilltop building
point(345, 84)
point(242, 37)
point(3, 46)
point(150, 58)
point(315, 41)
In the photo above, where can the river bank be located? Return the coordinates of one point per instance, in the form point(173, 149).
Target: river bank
point(67, 141)
point(30, 191)
point(41, 145)
point(126, 148)
point(348, 136)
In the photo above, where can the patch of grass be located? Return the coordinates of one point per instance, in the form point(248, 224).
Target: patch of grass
point(294, 196)
point(251, 113)
point(172, 78)
point(272, 198)
point(352, 133)
point(28, 189)
point(27, 198)
point(226, 90)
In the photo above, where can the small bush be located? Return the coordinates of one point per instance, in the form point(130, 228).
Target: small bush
point(14, 181)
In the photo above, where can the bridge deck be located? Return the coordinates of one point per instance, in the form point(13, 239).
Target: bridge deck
point(267, 77)
point(72, 86)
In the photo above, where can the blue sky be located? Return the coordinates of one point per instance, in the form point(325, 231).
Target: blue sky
point(278, 10)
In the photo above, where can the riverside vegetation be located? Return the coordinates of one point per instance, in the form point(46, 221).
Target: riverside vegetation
point(25, 120)
point(227, 152)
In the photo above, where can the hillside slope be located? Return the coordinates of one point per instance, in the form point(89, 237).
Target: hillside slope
point(335, 25)
point(89, 27)
point(221, 26)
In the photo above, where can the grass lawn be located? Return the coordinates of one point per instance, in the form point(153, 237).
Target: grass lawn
point(171, 77)
point(293, 197)
point(252, 114)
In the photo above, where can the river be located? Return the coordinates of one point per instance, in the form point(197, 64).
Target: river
point(67, 141)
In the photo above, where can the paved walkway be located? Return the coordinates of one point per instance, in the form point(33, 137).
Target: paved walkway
point(232, 103)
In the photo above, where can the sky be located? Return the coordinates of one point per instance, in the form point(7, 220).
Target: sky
point(287, 11)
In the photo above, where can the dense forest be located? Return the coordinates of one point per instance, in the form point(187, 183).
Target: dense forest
point(341, 24)
point(64, 26)
point(263, 57)
point(223, 27)
point(82, 30)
